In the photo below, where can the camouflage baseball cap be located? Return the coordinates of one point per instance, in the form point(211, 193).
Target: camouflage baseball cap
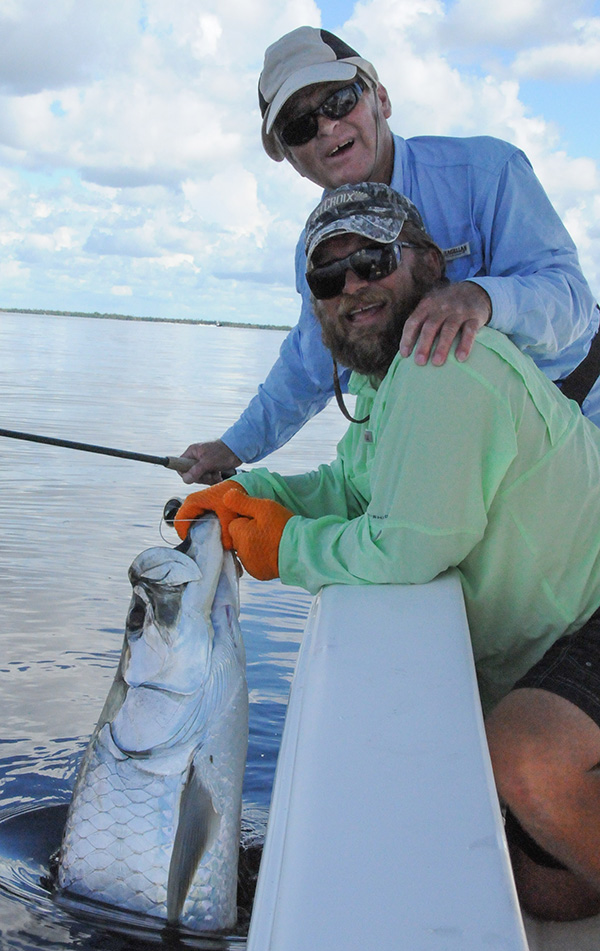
point(370, 209)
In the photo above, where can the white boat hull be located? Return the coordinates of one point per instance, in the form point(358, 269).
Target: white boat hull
point(385, 829)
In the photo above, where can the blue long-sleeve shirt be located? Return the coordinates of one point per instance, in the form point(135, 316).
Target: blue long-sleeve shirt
point(483, 205)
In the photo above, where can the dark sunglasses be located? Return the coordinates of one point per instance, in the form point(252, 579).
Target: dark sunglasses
point(369, 264)
point(301, 130)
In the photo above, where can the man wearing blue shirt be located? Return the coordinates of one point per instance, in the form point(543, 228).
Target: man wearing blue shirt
point(510, 260)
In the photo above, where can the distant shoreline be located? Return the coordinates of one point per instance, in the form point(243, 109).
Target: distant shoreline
point(163, 320)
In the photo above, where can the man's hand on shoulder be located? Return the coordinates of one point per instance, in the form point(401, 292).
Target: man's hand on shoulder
point(454, 310)
point(214, 459)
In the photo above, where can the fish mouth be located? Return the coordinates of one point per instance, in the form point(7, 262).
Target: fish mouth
point(163, 566)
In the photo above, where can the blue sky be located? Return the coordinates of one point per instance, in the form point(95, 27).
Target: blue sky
point(132, 178)
point(572, 106)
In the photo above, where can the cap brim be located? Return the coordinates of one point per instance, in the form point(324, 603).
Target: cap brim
point(388, 232)
point(316, 73)
point(319, 73)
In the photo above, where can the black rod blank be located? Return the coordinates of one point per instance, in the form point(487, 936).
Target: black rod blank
point(180, 463)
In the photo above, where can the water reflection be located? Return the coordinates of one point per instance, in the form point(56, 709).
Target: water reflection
point(71, 523)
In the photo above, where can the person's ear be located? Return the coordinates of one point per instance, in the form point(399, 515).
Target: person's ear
point(384, 100)
point(433, 263)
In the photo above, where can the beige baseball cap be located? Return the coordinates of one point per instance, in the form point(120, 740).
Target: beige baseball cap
point(301, 58)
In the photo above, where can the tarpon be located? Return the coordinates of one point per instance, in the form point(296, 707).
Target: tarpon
point(154, 821)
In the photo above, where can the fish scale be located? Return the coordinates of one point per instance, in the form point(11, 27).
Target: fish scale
point(120, 847)
point(154, 822)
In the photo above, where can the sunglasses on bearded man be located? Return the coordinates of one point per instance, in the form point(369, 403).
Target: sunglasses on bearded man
point(369, 264)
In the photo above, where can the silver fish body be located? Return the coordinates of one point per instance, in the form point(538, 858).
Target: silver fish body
point(154, 822)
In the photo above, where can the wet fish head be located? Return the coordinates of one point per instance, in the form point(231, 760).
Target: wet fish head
point(168, 632)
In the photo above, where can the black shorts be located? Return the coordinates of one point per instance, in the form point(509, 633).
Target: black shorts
point(571, 669)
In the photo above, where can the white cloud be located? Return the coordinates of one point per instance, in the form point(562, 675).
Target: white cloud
point(53, 45)
point(513, 24)
point(229, 199)
point(576, 58)
point(130, 155)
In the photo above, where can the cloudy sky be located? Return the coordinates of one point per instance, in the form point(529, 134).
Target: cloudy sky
point(132, 179)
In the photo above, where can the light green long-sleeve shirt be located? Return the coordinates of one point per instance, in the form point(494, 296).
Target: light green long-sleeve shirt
point(481, 465)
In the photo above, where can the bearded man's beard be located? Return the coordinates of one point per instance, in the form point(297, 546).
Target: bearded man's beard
point(369, 350)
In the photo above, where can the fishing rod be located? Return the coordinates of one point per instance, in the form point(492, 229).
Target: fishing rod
point(178, 463)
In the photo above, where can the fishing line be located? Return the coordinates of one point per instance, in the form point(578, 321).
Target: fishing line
point(169, 512)
point(161, 525)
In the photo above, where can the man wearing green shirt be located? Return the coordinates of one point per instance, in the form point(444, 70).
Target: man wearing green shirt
point(480, 465)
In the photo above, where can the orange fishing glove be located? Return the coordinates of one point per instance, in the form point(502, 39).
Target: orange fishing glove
point(257, 534)
point(208, 500)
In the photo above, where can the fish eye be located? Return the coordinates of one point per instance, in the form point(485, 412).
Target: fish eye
point(165, 600)
point(166, 609)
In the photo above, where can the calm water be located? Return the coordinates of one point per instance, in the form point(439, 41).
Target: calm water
point(71, 523)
